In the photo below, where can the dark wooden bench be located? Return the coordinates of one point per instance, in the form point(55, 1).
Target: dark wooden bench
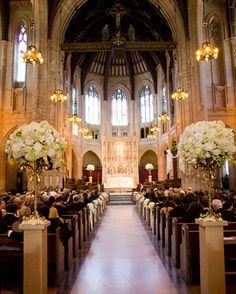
point(75, 231)
point(11, 263)
point(168, 233)
point(190, 251)
point(176, 239)
point(158, 219)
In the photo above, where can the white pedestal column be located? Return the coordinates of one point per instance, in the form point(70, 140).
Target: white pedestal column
point(35, 258)
point(149, 178)
point(212, 268)
point(90, 179)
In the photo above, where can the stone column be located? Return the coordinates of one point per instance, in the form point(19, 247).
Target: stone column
point(212, 268)
point(35, 258)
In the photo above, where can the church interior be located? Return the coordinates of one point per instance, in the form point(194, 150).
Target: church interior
point(120, 81)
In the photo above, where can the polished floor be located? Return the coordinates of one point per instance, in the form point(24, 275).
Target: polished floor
point(122, 260)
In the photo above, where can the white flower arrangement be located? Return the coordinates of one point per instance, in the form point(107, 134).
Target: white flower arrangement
point(95, 203)
point(36, 144)
point(138, 196)
point(100, 201)
point(91, 207)
point(151, 205)
point(90, 167)
point(145, 203)
point(207, 144)
point(141, 200)
point(149, 166)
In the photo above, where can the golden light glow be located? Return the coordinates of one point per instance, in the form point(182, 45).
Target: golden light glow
point(151, 135)
point(32, 55)
point(164, 117)
point(75, 119)
point(207, 52)
point(155, 129)
point(88, 136)
point(179, 94)
point(84, 130)
point(58, 96)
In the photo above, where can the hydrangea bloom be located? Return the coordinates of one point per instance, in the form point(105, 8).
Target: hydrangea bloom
point(36, 143)
point(207, 144)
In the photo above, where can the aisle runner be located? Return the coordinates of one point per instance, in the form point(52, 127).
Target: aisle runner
point(122, 259)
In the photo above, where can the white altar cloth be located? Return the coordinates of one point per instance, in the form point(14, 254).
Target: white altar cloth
point(119, 182)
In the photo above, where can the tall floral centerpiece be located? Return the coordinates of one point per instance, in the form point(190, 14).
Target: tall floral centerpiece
point(36, 147)
point(149, 167)
point(206, 145)
point(90, 168)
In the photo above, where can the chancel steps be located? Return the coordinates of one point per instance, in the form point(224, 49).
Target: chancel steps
point(122, 198)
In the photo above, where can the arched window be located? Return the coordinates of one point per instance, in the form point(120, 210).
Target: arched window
point(146, 102)
point(21, 45)
point(92, 107)
point(163, 100)
point(119, 108)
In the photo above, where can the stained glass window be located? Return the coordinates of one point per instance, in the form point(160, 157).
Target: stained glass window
point(146, 105)
point(119, 108)
point(21, 45)
point(92, 107)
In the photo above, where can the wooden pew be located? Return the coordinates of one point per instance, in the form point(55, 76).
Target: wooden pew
point(176, 239)
point(75, 232)
point(158, 219)
point(68, 246)
point(162, 229)
point(56, 258)
point(190, 251)
point(168, 233)
point(11, 263)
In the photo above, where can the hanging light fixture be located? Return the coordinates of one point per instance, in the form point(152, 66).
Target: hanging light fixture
point(164, 117)
point(83, 130)
point(88, 136)
point(179, 94)
point(151, 135)
point(32, 55)
point(58, 95)
point(155, 129)
point(207, 52)
point(75, 119)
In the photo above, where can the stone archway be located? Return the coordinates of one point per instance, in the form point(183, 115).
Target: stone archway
point(91, 158)
point(148, 157)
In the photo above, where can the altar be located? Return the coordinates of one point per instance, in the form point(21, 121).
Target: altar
point(120, 163)
point(119, 183)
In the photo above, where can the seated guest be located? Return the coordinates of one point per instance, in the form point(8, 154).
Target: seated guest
point(94, 195)
point(3, 207)
point(179, 209)
point(86, 199)
point(167, 207)
point(3, 226)
point(227, 212)
point(17, 233)
point(60, 206)
point(216, 205)
point(194, 210)
point(11, 215)
point(78, 203)
point(205, 204)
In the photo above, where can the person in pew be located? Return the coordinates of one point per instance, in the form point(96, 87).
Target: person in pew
point(78, 203)
point(3, 207)
point(11, 215)
point(60, 206)
point(17, 233)
point(205, 204)
point(217, 205)
point(94, 195)
point(179, 209)
point(194, 210)
point(167, 207)
point(86, 198)
point(3, 226)
point(227, 212)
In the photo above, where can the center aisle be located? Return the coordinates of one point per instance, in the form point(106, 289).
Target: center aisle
point(122, 259)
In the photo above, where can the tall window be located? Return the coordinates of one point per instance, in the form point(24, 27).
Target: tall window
point(146, 101)
point(163, 100)
point(21, 45)
point(119, 108)
point(92, 107)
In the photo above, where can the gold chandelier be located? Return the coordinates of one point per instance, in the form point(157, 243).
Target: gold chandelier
point(164, 117)
point(151, 135)
point(179, 94)
point(155, 129)
point(58, 96)
point(83, 130)
point(88, 136)
point(207, 52)
point(75, 119)
point(32, 55)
